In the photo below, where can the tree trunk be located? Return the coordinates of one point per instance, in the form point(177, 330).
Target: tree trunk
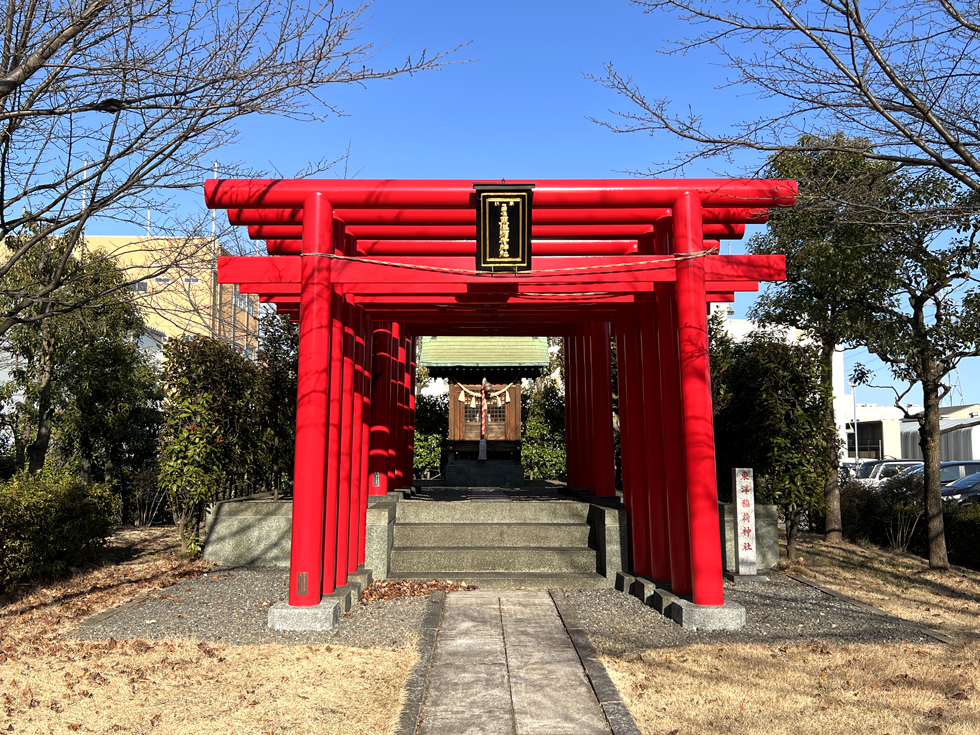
point(833, 529)
point(84, 468)
point(38, 449)
point(85, 459)
point(21, 438)
point(792, 536)
point(929, 442)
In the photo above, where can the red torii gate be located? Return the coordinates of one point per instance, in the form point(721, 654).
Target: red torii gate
point(365, 265)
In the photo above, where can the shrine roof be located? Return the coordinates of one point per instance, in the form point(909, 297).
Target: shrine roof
point(484, 352)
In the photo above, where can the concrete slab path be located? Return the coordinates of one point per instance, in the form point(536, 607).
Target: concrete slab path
point(504, 664)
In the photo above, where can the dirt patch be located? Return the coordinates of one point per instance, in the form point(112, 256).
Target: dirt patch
point(51, 684)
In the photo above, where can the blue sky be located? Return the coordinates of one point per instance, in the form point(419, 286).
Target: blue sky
point(519, 109)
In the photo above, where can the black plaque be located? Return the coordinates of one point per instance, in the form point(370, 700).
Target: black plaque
point(503, 227)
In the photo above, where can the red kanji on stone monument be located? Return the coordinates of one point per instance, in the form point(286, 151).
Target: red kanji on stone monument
point(744, 487)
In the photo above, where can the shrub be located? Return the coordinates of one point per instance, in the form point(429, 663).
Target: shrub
point(212, 446)
point(431, 433)
point(769, 415)
point(892, 517)
point(903, 507)
point(50, 522)
point(962, 523)
point(428, 450)
point(145, 499)
point(543, 431)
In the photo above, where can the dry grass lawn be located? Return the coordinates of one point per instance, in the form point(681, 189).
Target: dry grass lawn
point(809, 689)
point(818, 689)
point(51, 685)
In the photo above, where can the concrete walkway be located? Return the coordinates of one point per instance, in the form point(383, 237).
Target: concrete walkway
point(504, 664)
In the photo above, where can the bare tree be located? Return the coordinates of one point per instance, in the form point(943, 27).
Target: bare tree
point(109, 108)
point(902, 75)
point(894, 82)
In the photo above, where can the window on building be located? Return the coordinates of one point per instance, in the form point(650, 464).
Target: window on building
point(192, 279)
point(495, 414)
point(139, 287)
point(244, 303)
point(163, 280)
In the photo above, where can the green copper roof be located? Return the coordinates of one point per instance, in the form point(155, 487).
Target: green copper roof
point(484, 351)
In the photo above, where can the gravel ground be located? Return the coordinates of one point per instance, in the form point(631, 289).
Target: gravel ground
point(231, 607)
point(779, 611)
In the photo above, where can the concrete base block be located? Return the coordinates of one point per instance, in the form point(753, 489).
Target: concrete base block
point(360, 579)
point(379, 535)
point(730, 616)
point(325, 616)
point(644, 589)
point(662, 600)
point(624, 582)
point(350, 593)
point(608, 537)
point(747, 578)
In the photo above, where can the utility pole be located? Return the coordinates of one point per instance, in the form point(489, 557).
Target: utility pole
point(854, 417)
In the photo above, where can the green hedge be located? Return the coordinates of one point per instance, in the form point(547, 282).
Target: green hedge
point(893, 517)
point(50, 522)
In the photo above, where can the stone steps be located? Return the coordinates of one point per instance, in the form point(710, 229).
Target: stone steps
point(492, 534)
point(492, 511)
point(496, 544)
point(517, 580)
point(493, 558)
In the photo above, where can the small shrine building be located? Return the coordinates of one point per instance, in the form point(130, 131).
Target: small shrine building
point(484, 376)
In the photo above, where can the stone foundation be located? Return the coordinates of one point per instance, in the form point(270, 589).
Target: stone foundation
point(249, 532)
point(484, 473)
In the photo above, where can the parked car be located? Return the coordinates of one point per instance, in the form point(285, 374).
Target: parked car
point(950, 471)
point(963, 491)
point(849, 467)
point(877, 472)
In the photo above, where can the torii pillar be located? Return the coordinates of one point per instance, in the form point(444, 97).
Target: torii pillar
point(699, 438)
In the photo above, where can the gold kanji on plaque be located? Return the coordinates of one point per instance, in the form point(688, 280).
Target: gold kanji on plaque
point(503, 227)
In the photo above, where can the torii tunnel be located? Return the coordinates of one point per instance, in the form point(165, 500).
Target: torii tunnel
point(367, 265)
